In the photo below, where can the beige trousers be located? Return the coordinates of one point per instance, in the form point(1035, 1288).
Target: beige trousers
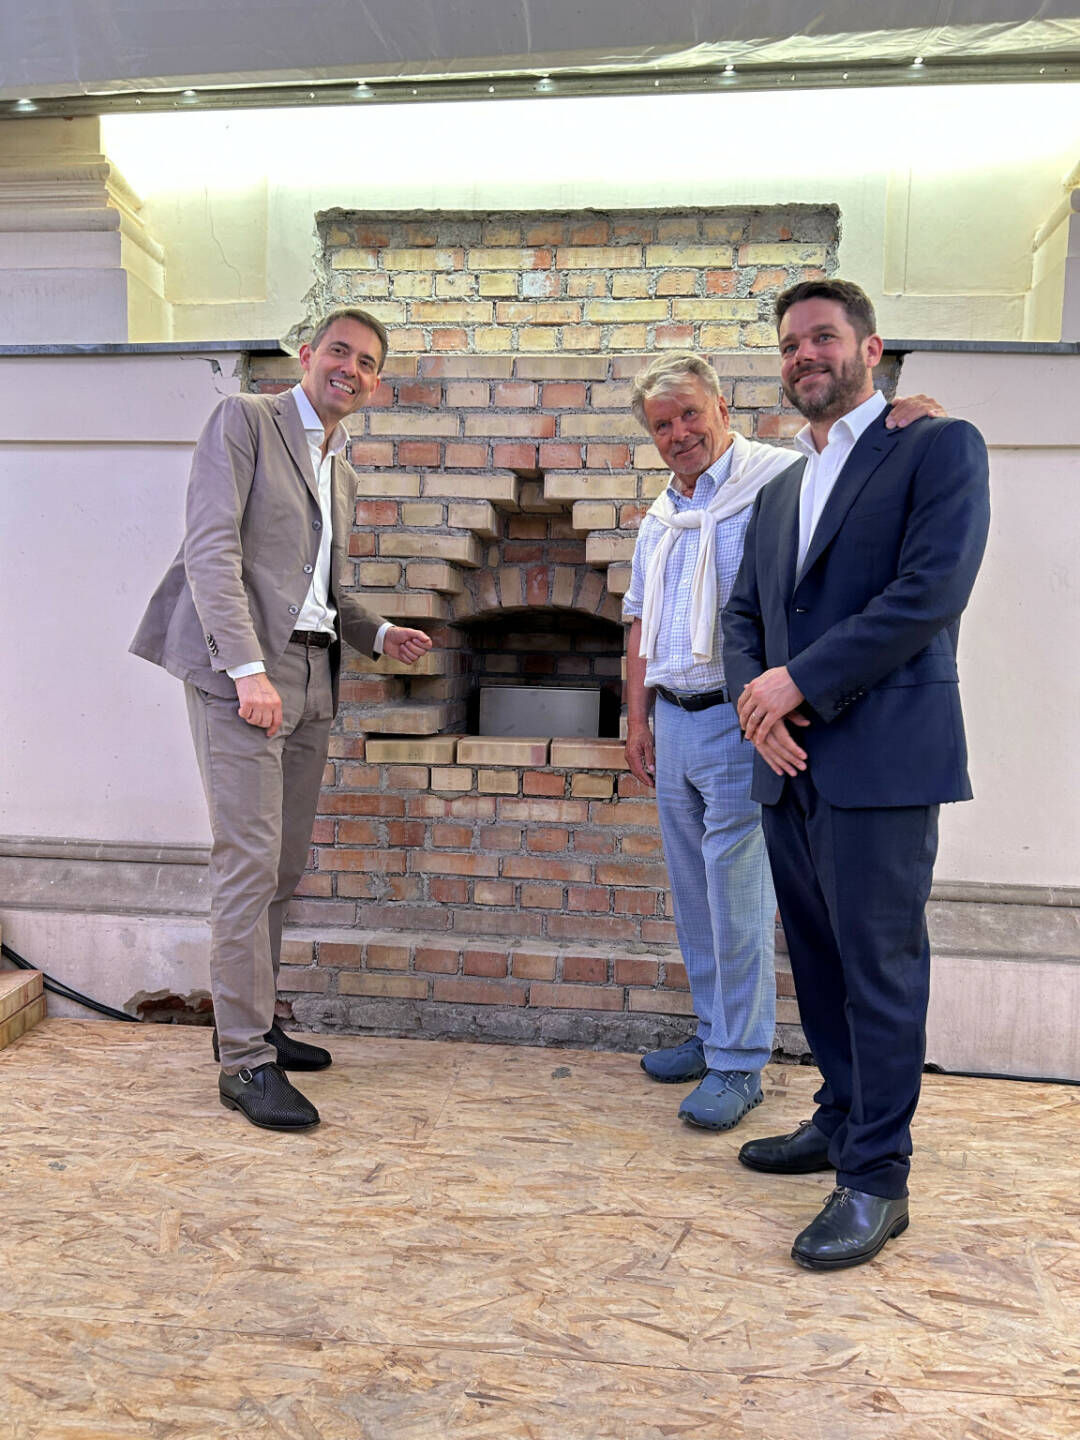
point(262, 796)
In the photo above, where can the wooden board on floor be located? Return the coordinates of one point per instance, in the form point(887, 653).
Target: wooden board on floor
point(484, 1242)
point(18, 988)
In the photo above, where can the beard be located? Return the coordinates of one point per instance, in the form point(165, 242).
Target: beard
point(835, 398)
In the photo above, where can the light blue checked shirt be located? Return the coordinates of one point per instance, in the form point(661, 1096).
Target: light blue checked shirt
point(673, 665)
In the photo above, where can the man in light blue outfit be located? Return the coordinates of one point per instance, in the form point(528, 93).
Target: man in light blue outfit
point(687, 555)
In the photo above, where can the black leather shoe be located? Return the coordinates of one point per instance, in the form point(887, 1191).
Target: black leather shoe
point(292, 1054)
point(267, 1098)
point(804, 1150)
point(852, 1228)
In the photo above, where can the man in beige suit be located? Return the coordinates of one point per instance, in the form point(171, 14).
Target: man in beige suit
point(250, 616)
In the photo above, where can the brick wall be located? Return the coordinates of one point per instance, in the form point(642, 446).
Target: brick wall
point(490, 887)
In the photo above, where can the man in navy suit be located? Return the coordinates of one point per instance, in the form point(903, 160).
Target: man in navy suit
point(840, 644)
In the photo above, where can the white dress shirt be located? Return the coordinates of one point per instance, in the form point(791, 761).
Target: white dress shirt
point(823, 467)
point(317, 613)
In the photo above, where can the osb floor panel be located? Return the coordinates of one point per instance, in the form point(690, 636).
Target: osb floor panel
point(487, 1243)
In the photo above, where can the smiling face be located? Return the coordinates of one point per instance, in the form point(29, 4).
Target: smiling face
point(341, 373)
point(825, 368)
point(689, 427)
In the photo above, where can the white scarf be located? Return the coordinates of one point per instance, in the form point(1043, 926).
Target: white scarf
point(752, 466)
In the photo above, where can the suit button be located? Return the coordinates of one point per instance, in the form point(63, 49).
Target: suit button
point(316, 524)
point(800, 609)
point(308, 569)
point(294, 609)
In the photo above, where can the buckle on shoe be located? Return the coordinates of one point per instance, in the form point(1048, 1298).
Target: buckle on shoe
point(244, 1076)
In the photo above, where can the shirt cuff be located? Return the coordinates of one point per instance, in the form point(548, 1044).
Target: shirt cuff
point(380, 636)
point(239, 672)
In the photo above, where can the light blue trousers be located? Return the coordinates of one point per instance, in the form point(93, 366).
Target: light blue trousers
point(721, 885)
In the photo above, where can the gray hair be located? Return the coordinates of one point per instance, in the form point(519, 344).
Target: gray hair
point(666, 373)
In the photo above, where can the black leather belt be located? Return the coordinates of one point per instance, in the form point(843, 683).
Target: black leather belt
point(693, 702)
point(316, 639)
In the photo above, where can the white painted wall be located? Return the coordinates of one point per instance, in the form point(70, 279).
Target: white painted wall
point(940, 189)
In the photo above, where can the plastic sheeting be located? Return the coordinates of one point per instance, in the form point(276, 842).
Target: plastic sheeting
point(72, 47)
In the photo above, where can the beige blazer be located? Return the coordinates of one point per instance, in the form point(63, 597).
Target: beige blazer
point(240, 577)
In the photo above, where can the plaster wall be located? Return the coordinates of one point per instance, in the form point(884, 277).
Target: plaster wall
point(940, 189)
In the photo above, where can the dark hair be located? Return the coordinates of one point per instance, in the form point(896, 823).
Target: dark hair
point(350, 312)
point(856, 302)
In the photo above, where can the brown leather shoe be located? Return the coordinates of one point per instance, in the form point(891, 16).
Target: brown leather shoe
point(850, 1230)
point(804, 1150)
point(267, 1098)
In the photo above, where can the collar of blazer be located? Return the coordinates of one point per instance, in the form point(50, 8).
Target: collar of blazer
point(287, 419)
point(871, 448)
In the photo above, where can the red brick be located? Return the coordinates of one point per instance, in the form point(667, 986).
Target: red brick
point(406, 917)
point(543, 782)
point(453, 864)
point(501, 837)
point(515, 392)
point(588, 897)
point(355, 886)
point(357, 832)
point(437, 959)
point(406, 832)
point(567, 812)
point(484, 962)
point(645, 844)
point(667, 337)
point(586, 969)
point(320, 912)
point(542, 897)
point(536, 585)
point(593, 842)
point(386, 955)
point(640, 813)
point(419, 392)
point(658, 932)
point(293, 978)
point(618, 873)
point(370, 860)
point(589, 232)
point(361, 544)
point(312, 885)
point(635, 902)
point(455, 837)
point(722, 282)
point(560, 394)
point(636, 972)
point(590, 927)
point(675, 975)
point(371, 452)
point(335, 956)
point(560, 456)
point(466, 457)
point(376, 512)
point(529, 965)
point(465, 807)
point(407, 777)
point(575, 997)
point(337, 804)
point(449, 890)
point(493, 892)
point(462, 991)
point(419, 452)
point(548, 842)
point(449, 339)
point(540, 867)
point(607, 457)
point(516, 456)
point(322, 832)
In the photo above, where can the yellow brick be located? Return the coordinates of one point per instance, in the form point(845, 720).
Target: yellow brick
point(353, 259)
point(494, 750)
point(543, 367)
point(435, 662)
point(618, 579)
point(392, 486)
point(390, 312)
point(677, 282)
point(406, 719)
point(720, 230)
point(451, 312)
point(403, 605)
point(706, 257)
point(364, 284)
point(413, 286)
point(586, 283)
point(399, 987)
point(582, 337)
point(422, 259)
point(493, 339)
point(501, 257)
point(461, 549)
point(630, 286)
point(787, 252)
point(509, 578)
point(601, 550)
point(396, 422)
point(647, 457)
point(573, 485)
point(629, 337)
point(578, 425)
point(612, 395)
point(497, 782)
point(651, 485)
point(500, 490)
point(593, 515)
point(538, 312)
point(598, 257)
point(378, 572)
point(759, 396)
point(455, 287)
point(521, 424)
point(439, 750)
point(422, 514)
point(588, 755)
point(479, 517)
point(742, 366)
point(711, 309)
point(434, 575)
point(763, 335)
point(451, 778)
point(562, 593)
point(498, 286)
point(718, 337)
point(531, 338)
point(592, 787)
point(662, 1002)
point(607, 312)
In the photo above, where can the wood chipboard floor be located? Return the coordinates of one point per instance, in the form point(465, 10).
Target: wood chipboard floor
point(489, 1243)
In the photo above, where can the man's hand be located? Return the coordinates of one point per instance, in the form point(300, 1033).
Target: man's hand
point(910, 408)
point(641, 754)
point(779, 750)
point(766, 700)
point(405, 645)
point(260, 703)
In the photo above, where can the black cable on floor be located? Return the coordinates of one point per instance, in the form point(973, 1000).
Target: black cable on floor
point(57, 987)
point(991, 1075)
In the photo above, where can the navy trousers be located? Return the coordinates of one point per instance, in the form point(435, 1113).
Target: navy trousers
point(852, 887)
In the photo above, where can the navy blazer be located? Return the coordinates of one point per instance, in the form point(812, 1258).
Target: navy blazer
point(868, 628)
